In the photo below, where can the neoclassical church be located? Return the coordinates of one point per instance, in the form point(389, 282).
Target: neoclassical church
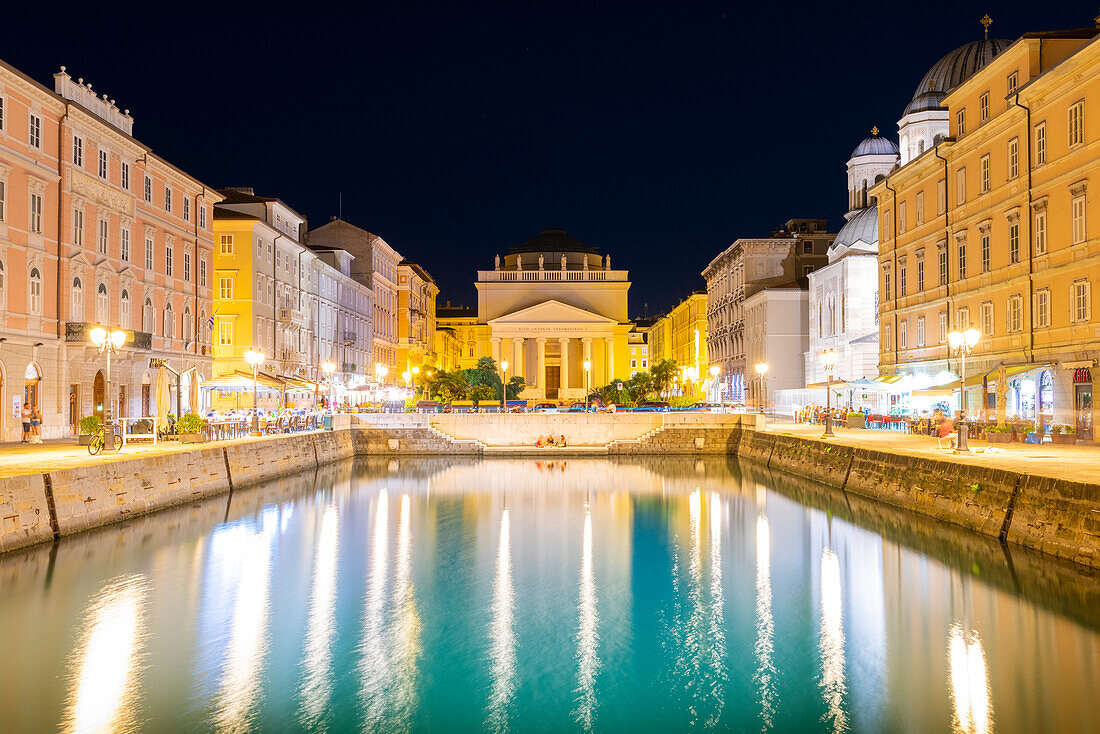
point(843, 298)
point(548, 307)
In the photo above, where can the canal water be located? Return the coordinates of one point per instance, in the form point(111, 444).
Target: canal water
point(544, 596)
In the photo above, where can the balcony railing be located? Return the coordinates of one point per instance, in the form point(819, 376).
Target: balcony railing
point(76, 332)
point(350, 336)
point(552, 276)
point(291, 316)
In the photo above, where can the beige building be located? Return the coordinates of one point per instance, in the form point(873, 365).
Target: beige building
point(416, 319)
point(681, 335)
point(992, 225)
point(548, 307)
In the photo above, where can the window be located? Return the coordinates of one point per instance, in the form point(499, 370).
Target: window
point(124, 311)
point(902, 211)
point(962, 260)
point(903, 334)
point(985, 173)
point(1040, 233)
point(103, 236)
point(202, 217)
point(943, 326)
point(149, 317)
point(985, 251)
point(962, 318)
point(102, 305)
point(886, 285)
point(1015, 313)
point(1, 113)
point(148, 189)
point(125, 169)
point(960, 186)
point(169, 321)
point(807, 247)
point(887, 230)
point(920, 331)
point(186, 209)
point(1014, 242)
point(1077, 218)
point(186, 331)
point(125, 240)
point(148, 253)
point(226, 244)
point(167, 199)
point(78, 151)
point(1041, 143)
point(202, 272)
point(225, 333)
point(887, 336)
point(3, 195)
point(987, 318)
point(920, 275)
point(102, 163)
point(36, 213)
point(187, 266)
point(35, 292)
point(76, 301)
point(1013, 82)
point(960, 123)
point(806, 270)
point(3, 293)
point(903, 289)
point(1077, 123)
point(34, 131)
point(920, 208)
point(1080, 295)
point(1013, 158)
point(941, 196)
point(1042, 307)
point(78, 227)
point(168, 259)
point(983, 107)
point(225, 288)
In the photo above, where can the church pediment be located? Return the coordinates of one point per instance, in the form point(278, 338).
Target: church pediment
point(552, 312)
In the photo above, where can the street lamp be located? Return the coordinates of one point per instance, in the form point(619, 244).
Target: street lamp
point(108, 341)
point(962, 343)
point(503, 383)
point(587, 382)
point(828, 361)
point(714, 372)
point(328, 367)
point(762, 370)
point(255, 358)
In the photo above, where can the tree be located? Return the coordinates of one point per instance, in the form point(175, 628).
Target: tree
point(640, 386)
point(664, 374)
point(483, 394)
point(515, 387)
point(451, 385)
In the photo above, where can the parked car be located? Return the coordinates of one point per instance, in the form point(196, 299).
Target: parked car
point(653, 406)
point(546, 408)
point(705, 408)
point(576, 408)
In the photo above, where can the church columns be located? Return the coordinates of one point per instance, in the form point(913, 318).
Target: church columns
point(496, 349)
point(609, 349)
point(587, 375)
point(564, 341)
point(540, 374)
point(517, 356)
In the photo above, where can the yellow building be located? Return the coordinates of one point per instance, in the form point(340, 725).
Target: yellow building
point(416, 320)
point(681, 335)
point(992, 227)
point(550, 307)
point(456, 337)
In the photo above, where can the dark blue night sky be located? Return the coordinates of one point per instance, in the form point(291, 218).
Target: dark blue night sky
point(658, 132)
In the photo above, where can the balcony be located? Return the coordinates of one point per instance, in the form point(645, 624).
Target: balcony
point(291, 316)
point(551, 276)
point(350, 337)
point(76, 332)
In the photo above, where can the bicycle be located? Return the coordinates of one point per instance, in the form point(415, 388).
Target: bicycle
point(96, 445)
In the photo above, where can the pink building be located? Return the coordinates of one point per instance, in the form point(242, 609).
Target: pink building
point(94, 229)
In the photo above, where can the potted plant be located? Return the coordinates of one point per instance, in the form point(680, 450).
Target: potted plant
point(998, 434)
point(1063, 434)
point(856, 420)
point(89, 425)
point(190, 428)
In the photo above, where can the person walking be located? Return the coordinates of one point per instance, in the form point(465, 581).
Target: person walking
point(25, 414)
point(36, 426)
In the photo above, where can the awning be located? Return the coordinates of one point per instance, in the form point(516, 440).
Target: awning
point(235, 382)
point(1012, 371)
point(835, 384)
point(889, 379)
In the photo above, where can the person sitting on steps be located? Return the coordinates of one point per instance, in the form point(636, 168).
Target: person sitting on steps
point(561, 441)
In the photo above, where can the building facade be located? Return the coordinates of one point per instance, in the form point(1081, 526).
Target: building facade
point(776, 334)
point(994, 227)
point(416, 320)
point(681, 335)
point(95, 229)
point(745, 267)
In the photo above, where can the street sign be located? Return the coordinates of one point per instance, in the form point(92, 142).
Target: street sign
point(156, 362)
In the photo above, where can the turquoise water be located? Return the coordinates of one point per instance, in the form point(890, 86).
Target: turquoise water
point(648, 596)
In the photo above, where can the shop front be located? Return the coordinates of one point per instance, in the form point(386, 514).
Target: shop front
point(1082, 402)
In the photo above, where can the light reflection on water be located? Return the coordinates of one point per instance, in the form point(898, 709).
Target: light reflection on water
point(655, 596)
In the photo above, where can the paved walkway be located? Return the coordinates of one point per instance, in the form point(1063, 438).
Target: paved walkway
point(1074, 463)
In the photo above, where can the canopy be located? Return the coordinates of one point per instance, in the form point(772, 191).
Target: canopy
point(835, 384)
point(236, 382)
point(193, 399)
point(160, 397)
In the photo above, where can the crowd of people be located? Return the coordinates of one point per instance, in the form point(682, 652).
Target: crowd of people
point(32, 424)
point(549, 442)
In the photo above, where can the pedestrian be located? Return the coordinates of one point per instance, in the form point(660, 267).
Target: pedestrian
point(561, 441)
point(36, 425)
point(26, 416)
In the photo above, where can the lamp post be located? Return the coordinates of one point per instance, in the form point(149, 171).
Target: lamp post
point(503, 383)
point(715, 370)
point(962, 343)
point(587, 383)
point(415, 371)
point(828, 361)
point(762, 370)
point(108, 341)
point(328, 367)
point(255, 358)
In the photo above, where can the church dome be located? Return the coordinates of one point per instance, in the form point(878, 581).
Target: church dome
point(863, 227)
point(875, 146)
point(952, 70)
point(553, 240)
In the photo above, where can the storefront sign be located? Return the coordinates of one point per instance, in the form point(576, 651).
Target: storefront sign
point(16, 407)
point(1082, 374)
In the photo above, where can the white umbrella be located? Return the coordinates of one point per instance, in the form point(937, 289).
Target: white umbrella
point(160, 397)
point(1002, 394)
point(194, 392)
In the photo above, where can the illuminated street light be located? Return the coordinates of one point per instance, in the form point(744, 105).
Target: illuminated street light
point(715, 370)
point(587, 383)
point(828, 361)
point(108, 341)
point(762, 370)
point(503, 382)
point(255, 358)
point(962, 343)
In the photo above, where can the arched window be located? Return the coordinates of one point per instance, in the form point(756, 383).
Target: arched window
point(149, 317)
point(187, 332)
point(937, 139)
point(169, 321)
point(863, 195)
point(35, 292)
point(124, 310)
point(204, 334)
point(76, 301)
point(920, 146)
point(102, 305)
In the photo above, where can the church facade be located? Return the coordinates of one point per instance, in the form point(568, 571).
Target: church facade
point(548, 308)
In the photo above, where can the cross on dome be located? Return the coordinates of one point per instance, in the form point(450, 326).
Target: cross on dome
point(986, 21)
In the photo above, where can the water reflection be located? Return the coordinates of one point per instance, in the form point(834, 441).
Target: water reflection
point(406, 624)
point(831, 642)
point(972, 710)
point(765, 626)
point(105, 686)
point(317, 657)
point(717, 621)
point(588, 661)
point(502, 653)
point(373, 665)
